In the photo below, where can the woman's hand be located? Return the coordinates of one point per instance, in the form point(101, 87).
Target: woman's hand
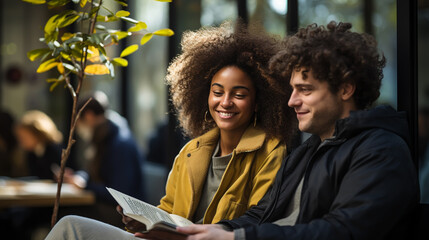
point(131, 225)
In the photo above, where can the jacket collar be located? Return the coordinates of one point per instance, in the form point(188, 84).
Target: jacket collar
point(252, 139)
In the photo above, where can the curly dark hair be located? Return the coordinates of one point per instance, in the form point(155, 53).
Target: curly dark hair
point(336, 55)
point(205, 52)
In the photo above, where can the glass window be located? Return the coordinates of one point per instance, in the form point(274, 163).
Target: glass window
point(423, 98)
point(271, 14)
point(147, 94)
point(384, 24)
point(214, 12)
point(324, 11)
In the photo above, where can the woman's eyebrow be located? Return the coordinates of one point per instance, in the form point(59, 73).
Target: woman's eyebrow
point(235, 87)
point(241, 87)
point(217, 84)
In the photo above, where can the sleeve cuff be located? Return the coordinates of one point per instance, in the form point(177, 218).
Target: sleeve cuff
point(239, 234)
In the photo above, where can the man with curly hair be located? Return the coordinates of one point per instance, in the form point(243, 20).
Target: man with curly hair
point(354, 177)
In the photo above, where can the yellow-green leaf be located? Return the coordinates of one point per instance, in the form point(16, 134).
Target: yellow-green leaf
point(36, 53)
point(66, 36)
point(122, 34)
point(127, 51)
point(146, 38)
point(139, 26)
point(164, 32)
point(83, 3)
point(47, 65)
point(35, 1)
point(51, 80)
point(67, 20)
point(51, 24)
point(66, 56)
point(54, 84)
point(164, 0)
point(96, 69)
point(122, 13)
point(120, 61)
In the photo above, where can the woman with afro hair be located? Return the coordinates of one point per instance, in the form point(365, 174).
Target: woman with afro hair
point(235, 111)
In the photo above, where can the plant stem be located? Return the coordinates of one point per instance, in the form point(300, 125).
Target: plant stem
point(74, 117)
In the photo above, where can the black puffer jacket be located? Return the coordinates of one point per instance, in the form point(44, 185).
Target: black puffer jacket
point(361, 184)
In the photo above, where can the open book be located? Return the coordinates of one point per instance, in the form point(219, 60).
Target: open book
point(154, 218)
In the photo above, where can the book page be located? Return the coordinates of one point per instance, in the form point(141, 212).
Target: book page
point(140, 210)
point(180, 221)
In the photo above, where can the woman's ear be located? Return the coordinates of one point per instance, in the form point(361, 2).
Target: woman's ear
point(347, 90)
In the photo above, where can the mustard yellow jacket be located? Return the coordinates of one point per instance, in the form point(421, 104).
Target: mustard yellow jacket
point(248, 176)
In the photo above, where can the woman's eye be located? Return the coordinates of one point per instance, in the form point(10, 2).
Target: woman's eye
point(217, 94)
point(240, 96)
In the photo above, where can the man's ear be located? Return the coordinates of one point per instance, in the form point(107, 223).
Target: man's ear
point(347, 90)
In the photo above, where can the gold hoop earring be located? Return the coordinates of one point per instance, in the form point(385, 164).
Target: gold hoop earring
point(254, 121)
point(205, 116)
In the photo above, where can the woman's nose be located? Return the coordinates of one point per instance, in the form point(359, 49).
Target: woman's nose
point(226, 102)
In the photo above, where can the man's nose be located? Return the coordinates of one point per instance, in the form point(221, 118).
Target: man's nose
point(294, 100)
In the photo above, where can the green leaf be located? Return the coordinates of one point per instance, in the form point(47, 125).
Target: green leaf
point(120, 62)
point(100, 48)
point(127, 51)
point(100, 27)
point(146, 38)
point(139, 26)
point(35, 1)
point(111, 69)
point(70, 67)
point(122, 2)
point(164, 32)
point(47, 65)
point(37, 53)
point(122, 13)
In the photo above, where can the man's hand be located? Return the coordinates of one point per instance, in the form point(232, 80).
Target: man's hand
point(206, 232)
point(130, 224)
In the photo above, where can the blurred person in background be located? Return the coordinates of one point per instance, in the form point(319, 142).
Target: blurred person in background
point(11, 164)
point(111, 159)
point(40, 139)
point(38, 135)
